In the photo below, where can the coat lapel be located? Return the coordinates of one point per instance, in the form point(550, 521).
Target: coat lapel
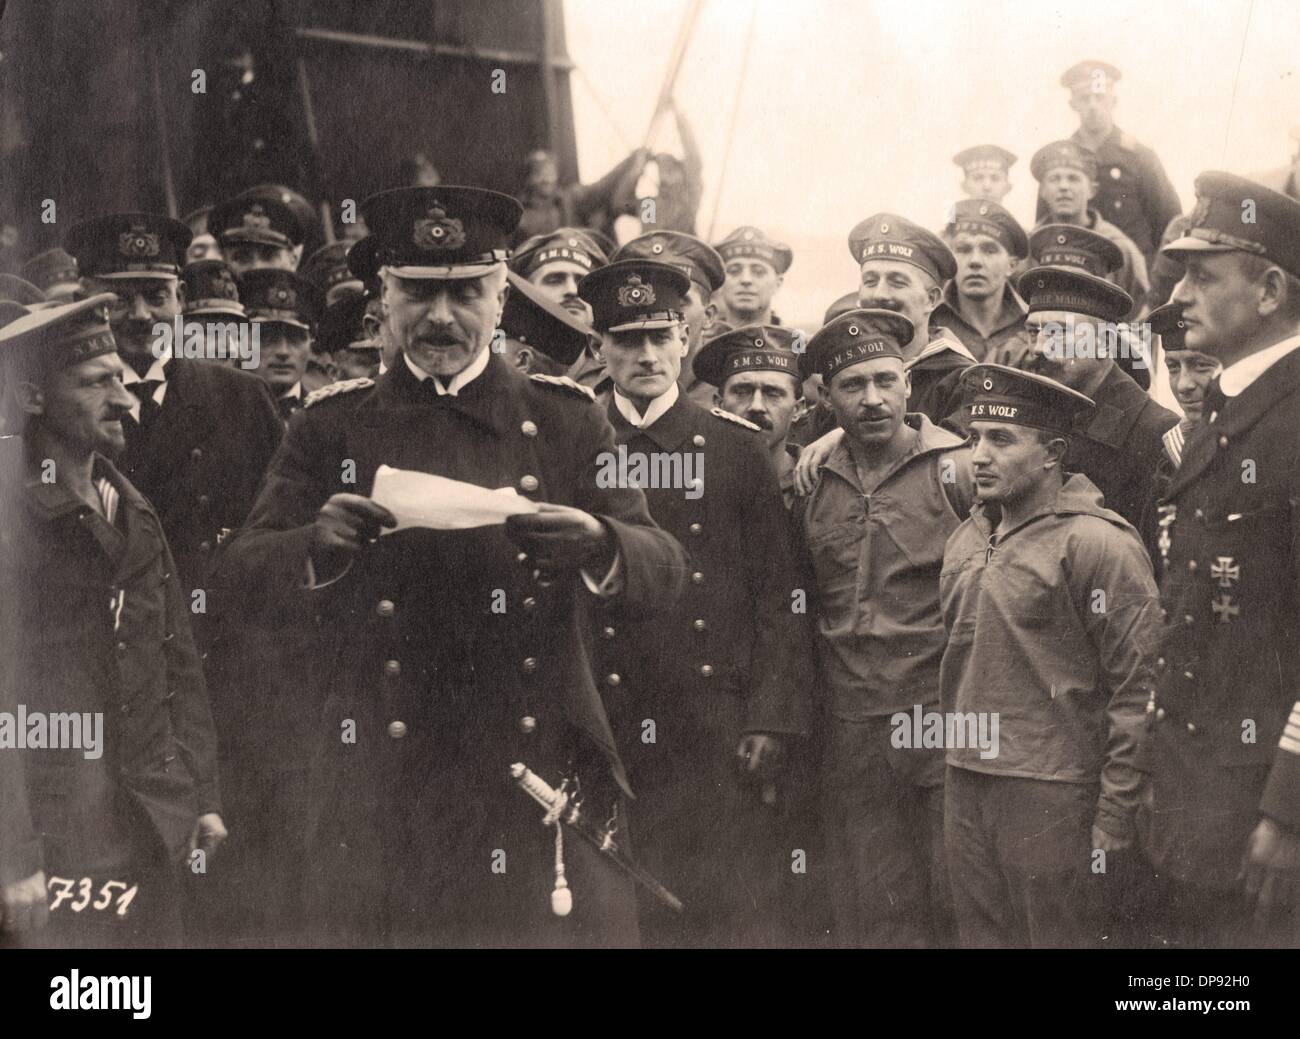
point(182, 424)
point(667, 432)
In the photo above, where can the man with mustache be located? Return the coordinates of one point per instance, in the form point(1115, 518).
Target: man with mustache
point(756, 375)
point(1050, 610)
point(903, 269)
point(457, 652)
point(94, 623)
point(873, 529)
point(985, 171)
point(284, 306)
point(755, 266)
point(555, 263)
point(704, 267)
point(1221, 822)
point(979, 305)
point(200, 435)
point(1067, 184)
point(1068, 245)
point(705, 698)
point(1071, 311)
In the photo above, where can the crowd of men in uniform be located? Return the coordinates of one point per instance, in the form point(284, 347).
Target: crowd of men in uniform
point(932, 628)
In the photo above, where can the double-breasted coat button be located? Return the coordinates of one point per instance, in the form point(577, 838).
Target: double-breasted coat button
point(1188, 619)
point(529, 665)
point(527, 724)
point(530, 603)
point(529, 428)
point(393, 667)
point(397, 729)
point(609, 633)
point(522, 557)
point(121, 647)
point(205, 546)
point(706, 670)
point(697, 578)
point(529, 483)
point(612, 680)
point(1223, 442)
point(1161, 663)
point(1160, 714)
point(385, 608)
point(196, 454)
point(1191, 566)
point(1191, 727)
point(698, 440)
point(204, 500)
point(697, 528)
point(699, 624)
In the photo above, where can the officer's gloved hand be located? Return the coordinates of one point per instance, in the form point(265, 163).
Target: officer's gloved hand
point(344, 525)
point(563, 538)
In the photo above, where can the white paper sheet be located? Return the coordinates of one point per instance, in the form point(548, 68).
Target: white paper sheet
point(424, 500)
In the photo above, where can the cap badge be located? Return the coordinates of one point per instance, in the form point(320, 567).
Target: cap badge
point(137, 243)
point(657, 248)
point(884, 228)
point(759, 342)
point(988, 384)
point(853, 330)
point(224, 286)
point(285, 296)
point(748, 236)
point(984, 210)
point(256, 219)
point(636, 293)
point(438, 231)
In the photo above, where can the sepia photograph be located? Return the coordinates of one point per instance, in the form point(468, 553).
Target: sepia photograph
point(800, 476)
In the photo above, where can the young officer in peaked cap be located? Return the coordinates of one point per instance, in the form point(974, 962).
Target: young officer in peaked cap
point(704, 267)
point(724, 673)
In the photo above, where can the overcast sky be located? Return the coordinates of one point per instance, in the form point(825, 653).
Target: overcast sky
point(854, 106)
